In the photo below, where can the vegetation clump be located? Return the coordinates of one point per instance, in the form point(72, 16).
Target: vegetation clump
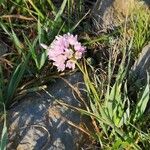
point(119, 119)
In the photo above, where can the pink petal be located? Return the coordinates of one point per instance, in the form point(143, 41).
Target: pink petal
point(44, 46)
point(70, 64)
point(68, 53)
point(78, 55)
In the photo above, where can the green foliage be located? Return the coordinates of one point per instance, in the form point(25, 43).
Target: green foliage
point(39, 59)
point(4, 136)
point(8, 90)
point(112, 109)
point(120, 122)
point(1, 86)
point(142, 102)
point(141, 28)
point(13, 37)
point(27, 24)
point(15, 79)
point(138, 28)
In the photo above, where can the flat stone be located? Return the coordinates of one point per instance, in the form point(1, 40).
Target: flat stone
point(39, 122)
point(142, 64)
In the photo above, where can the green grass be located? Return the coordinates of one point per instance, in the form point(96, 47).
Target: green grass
point(119, 119)
point(27, 24)
point(112, 110)
point(4, 136)
point(138, 27)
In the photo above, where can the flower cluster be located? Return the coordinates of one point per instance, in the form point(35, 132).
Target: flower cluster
point(64, 51)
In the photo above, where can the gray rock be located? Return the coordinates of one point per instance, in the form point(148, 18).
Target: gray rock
point(138, 73)
point(147, 2)
point(3, 48)
point(102, 15)
point(142, 64)
point(39, 122)
point(108, 14)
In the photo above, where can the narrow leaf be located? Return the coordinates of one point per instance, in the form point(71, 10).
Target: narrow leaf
point(63, 5)
point(4, 136)
point(142, 103)
point(15, 79)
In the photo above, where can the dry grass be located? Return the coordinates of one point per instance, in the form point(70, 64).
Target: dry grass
point(124, 9)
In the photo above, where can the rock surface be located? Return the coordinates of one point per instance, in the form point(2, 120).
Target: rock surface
point(142, 64)
point(3, 48)
point(140, 69)
point(107, 14)
point(39, 122)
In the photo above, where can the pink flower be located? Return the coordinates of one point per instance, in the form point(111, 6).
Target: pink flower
point(60, 66)
point(64, 51)
point(78, 55)
point(70, 64)
point(69, 53)
point(72, 39)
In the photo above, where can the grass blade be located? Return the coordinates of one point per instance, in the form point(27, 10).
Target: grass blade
point(52, 7)
point(4, 137)
point(15, 79)
point(1, 85)
point(36, 9)
point(61, 10)
point(17, 42)
point(142, 104)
